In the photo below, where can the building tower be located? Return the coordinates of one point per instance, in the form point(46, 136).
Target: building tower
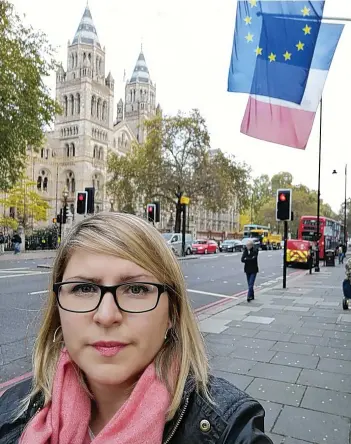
point(84, 128)
point(140, 98)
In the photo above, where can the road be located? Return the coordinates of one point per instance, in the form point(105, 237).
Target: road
point(23, 290)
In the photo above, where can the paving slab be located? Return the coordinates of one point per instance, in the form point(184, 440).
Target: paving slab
point(335, 365)
point(309, 340)
point(275, 372)
point(255, 343)
point(302, 349)
point(240, 381)
point(329, 401)
point(276, 391)
point(336, 335)
point(214, 325)
point(334, 353)
point(279, 439)
point(240, 332)
point(231, 365)
point(253, 354)
point(306, 331)
point(295, 360)
point(259, 319)
point(311, 426)
point(251, 326)
point(325, 380)
point(272, 410)
point(273, 335)
point(339, 343)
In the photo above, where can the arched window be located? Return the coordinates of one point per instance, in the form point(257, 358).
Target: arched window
point(42, 153)
point(101, 153)
point(93, 106)
point(72, 150)
point(95, 152)
point(98, 109)
point(89, 58)
point(78, 103)
point(43, 181)
point(97, 65)
point(70, 182)
point(67, 150)
point(71, 105)
point(47, 154)
point(104, 111)
point(65, 105)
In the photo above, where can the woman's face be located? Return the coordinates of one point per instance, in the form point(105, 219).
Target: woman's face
point(142, 334)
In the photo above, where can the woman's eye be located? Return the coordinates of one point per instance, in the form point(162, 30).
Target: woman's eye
point(84, 288)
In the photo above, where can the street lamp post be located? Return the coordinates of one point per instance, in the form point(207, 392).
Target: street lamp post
point(345, 203)
point(111, 203)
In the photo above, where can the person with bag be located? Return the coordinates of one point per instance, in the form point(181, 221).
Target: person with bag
point(250, 259)
point(119, 356)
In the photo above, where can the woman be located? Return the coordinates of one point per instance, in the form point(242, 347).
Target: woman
point(119, 357)
point(249, 258)
point(346, 286)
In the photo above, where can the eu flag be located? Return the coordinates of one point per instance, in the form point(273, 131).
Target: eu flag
point(274, 42)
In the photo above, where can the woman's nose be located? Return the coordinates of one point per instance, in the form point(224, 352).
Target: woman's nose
point(108, 313)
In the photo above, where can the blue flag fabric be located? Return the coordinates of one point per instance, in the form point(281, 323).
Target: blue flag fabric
point(274, 42)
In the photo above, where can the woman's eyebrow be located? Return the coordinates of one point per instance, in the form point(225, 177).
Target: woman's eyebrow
point(125, 278)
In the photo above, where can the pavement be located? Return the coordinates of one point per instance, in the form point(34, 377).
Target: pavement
point(291, 350)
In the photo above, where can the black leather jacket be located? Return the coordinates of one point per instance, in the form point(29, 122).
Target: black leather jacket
point(234, 419)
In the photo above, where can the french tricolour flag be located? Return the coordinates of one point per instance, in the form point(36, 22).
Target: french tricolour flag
point(288, 123)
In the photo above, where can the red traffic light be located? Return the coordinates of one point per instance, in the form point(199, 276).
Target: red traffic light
point(150, 209)
point(282, 197)
point(80, 197)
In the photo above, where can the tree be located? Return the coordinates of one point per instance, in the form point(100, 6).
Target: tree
point(176, 160)
point(261, 194)
point(281, 180)
point(26, 107)
point(27, 203)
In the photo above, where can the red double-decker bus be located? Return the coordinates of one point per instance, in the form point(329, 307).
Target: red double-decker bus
point(331, 232)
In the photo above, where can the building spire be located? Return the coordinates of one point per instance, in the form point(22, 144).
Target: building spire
point(86, 32)
point(141, 71)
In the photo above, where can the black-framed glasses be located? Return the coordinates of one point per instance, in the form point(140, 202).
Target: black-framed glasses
point(131, 297)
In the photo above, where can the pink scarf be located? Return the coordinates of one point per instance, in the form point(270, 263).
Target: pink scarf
point(65, 420)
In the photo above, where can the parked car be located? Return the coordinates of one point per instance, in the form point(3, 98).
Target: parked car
point(232, 245)
point(205, 247)
point(174, 241)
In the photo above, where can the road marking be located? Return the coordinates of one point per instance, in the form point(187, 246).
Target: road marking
point(217, 295)
point(38, 292)
point(5, 270)
point(34, 273)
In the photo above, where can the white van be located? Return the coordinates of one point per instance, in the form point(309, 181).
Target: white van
point(174, 241)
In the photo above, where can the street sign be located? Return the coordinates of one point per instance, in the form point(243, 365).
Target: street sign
point(184, 200)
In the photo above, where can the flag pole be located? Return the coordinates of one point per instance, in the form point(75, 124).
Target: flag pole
point(317, 269)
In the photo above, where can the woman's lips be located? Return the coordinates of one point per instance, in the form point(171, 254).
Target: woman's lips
point(108, 349)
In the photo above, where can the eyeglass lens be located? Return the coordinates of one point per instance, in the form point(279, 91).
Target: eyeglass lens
point(83, 296)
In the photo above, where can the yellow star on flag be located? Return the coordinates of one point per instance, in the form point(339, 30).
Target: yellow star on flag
point(248, 20)
point(258, 51)
point(307, 29)
point(305, 11)
point(249, 37)
point(300, 46)
point(272, 57)
point(253, 3)
point(287, 55)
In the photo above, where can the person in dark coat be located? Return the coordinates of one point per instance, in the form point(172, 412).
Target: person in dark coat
point(249, 258)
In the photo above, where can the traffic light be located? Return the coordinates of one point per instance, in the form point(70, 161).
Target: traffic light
point(65, 214)
point(151, 212)
point(82, 202)
point(284, 205)
point(157, 211)
point(90, 203)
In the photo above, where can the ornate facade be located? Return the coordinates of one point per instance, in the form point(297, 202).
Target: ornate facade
point(75, 153)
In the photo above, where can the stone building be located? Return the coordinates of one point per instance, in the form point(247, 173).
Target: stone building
point(75, 152)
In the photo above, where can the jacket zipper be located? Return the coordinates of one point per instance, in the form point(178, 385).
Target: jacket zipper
point(178, 422)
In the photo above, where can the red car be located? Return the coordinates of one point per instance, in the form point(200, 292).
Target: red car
point(204, 247)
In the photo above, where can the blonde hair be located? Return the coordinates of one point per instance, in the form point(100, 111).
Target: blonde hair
point(131, 238)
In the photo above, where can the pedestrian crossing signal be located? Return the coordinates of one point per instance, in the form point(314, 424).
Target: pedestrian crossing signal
point(82, 202)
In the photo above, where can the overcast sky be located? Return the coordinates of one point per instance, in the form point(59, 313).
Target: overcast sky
point(187, 46)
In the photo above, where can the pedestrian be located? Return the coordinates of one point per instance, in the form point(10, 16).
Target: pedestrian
point(119, 356)
point(2, 243)
point(250, 259)
point(16, 240)
point(341, 254)
point(346, 286)
point(344, 250)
